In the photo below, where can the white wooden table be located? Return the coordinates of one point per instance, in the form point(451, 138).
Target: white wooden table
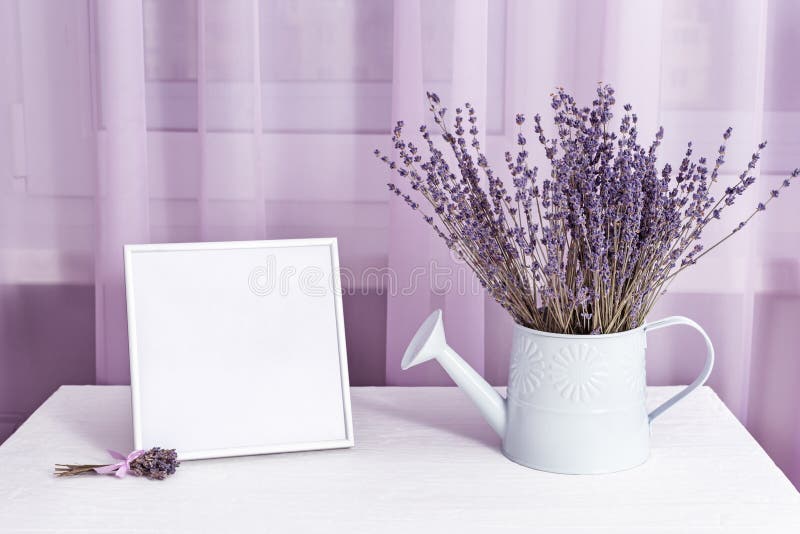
point(424, 461)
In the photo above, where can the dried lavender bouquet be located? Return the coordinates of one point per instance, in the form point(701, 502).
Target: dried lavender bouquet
point(155, 464)
point(587, 249)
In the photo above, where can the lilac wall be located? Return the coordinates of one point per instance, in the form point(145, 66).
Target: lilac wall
point(37, 356)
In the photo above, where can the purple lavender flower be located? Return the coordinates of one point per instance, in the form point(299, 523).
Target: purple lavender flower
point(156, 464)
point(588, 248)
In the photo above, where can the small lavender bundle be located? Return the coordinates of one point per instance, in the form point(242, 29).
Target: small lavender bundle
point(588, 248)
point(155, 464)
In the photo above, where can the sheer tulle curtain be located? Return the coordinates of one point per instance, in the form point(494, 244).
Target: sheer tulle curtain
point(151, 121)
point(148, 170)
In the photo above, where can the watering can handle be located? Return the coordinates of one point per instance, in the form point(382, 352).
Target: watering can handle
point(701, 379)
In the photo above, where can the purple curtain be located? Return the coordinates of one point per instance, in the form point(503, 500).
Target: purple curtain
point(146, 121)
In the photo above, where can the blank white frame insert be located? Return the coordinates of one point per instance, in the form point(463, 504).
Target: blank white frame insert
point(237, 348)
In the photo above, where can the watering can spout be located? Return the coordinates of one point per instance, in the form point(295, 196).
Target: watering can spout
point(429, 344)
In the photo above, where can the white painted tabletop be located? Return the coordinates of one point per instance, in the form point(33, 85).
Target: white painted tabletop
point(424, 461)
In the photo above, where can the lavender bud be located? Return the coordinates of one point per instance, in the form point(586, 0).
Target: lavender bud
point(156, 464)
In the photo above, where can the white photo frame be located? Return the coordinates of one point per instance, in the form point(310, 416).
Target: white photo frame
point(237, 348)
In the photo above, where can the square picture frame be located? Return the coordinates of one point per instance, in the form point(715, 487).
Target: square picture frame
point(237, 348)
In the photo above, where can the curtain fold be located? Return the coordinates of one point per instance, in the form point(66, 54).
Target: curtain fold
point(409, 243)
point(122, 194)
point(428, 275)
point(758, 12)
point(463, 299)
point(149, 121)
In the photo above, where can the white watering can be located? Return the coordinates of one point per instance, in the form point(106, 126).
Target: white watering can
point(575, 403)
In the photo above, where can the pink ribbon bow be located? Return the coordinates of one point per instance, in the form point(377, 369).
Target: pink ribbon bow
point(122, 468)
